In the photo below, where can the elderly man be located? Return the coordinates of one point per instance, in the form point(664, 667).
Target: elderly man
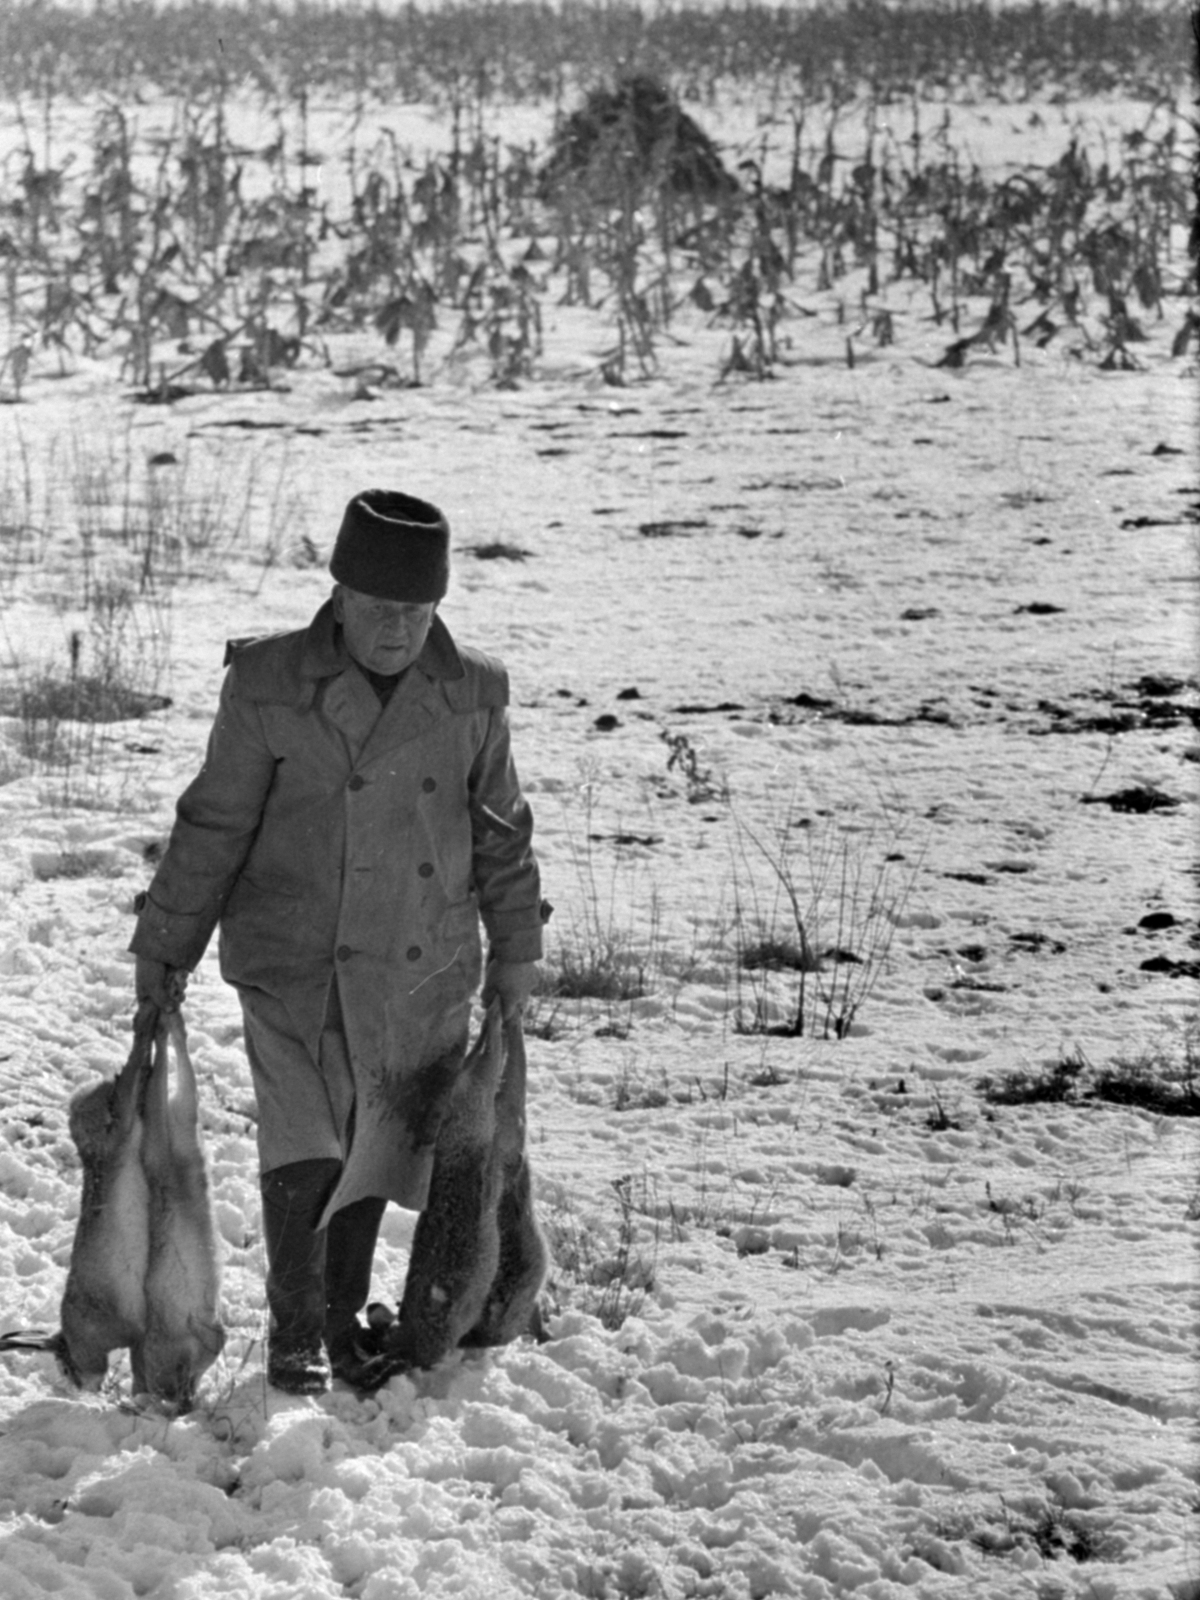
point(357, 814)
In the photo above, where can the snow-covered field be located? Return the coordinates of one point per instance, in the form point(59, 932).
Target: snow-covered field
point(883, 1335)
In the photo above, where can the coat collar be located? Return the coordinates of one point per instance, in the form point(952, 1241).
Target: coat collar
point(325, 656)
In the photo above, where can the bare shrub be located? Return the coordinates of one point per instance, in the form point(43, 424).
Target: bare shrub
point(600, 953)
point(606, 1271)
point(820, 907)
point(111, 673)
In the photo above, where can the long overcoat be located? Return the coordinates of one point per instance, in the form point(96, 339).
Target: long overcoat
point(335, 838)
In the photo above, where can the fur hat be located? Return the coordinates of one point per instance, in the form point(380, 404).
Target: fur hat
point(392, 546)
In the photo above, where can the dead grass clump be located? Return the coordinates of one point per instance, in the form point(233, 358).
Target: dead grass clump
point(775, 954)
point(600, 970)
point(59, 706)
point(1047, 1527)
point(1163, 1078)
point(58, 717)
point(49, 699)
point(601, 954)
point(634, 1092)
point(77, 864)
point(1154, 1080)
point(497, 550)
point(109, 673)
point(604, 1273)
point(768, 1076)
point(1056, 1084)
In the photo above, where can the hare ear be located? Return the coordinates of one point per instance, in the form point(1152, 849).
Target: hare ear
point(30, 1339)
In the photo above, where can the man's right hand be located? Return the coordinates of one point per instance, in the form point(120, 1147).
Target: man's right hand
point(162, 985)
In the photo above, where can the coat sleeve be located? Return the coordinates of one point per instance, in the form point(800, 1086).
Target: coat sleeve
point(504, 867)
point(216, 821)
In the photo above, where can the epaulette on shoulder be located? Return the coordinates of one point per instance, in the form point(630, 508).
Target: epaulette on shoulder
point(234, 647)
point(483, 685)
point(266, 668)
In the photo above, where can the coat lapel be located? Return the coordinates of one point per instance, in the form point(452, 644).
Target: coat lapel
point(419, 699)
point(353, 707)
point(351, 703)
point(415, 705)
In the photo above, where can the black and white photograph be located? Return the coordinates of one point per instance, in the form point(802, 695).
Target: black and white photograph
point(599, 754)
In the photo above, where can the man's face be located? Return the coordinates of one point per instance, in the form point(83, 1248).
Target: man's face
point(382, 635)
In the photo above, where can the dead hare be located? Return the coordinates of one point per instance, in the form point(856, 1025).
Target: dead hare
point(144, 1272)
point(478, 1255)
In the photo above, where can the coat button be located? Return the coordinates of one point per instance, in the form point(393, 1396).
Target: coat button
point(429, 785)
point(425, 870)
point(344, 952)
point(414, 952)
point(356, 782)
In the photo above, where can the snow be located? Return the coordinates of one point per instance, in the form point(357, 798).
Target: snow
point(883, 1336)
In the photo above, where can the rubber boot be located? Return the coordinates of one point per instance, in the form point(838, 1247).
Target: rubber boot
point(350, 1252)
point(293, 1198)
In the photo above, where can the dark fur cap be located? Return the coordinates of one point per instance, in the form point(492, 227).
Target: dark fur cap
point(393, 546)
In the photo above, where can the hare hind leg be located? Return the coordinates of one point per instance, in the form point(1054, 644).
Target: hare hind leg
point(510, 1307)
point(104, 1303)
point(456, 1245)
point(184, 1335)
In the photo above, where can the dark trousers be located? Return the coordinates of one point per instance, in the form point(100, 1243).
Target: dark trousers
point(318, 1279)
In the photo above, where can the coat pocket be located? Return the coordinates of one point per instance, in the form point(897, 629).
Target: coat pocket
point(448, 957)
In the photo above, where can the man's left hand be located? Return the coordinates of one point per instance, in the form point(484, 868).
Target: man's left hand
point(510, 982)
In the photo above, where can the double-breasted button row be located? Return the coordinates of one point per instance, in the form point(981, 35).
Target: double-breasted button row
point(344, 952)
point(358, 781)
